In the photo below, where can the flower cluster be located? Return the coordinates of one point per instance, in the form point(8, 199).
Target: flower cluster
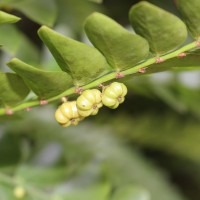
point(89, 103)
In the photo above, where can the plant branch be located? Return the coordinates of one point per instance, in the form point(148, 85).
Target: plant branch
point(103, 79)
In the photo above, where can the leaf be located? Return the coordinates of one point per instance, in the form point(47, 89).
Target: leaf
point(121, 48)
point(12, 41)
point(45, 84)
point(131, 192)
point(190, 12)
point(98, 192)
point(82, 62)
point(17, 44)
point(42, 176)
point(7, 18)
point(13, 89)
point(42, 12)
point(163, 30)
point(73, 13)
point(28, 51)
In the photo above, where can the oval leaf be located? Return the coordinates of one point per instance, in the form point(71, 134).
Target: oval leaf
point(82, 62)
point(44, 84)
point(13, 89)
point(190, 12)
point(121, 48)
point(163, 30)
point(131, 192)
point(7, 18)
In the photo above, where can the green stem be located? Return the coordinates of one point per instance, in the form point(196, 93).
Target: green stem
point(103, 79)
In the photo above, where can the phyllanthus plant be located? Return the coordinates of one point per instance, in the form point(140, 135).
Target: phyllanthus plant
point(116, 53)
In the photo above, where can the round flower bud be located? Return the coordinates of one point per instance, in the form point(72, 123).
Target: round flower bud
point(114, 94)
point(89, 102)
point(67, 114)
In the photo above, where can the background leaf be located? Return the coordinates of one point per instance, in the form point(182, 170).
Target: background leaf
point(13, 89)
point(42, 12)
point(15, 44)
point(7, 18)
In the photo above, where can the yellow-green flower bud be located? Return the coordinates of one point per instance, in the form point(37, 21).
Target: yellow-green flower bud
point(89, 102)
point(114, 94)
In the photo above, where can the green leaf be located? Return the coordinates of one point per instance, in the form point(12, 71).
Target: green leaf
point(42, 12)
point(163, 30)
point(97, 192)
point(73, 13)
point(190, 12)
point(121, 48)
point(7, 18)
point(45, 84)
point(13, 89)
point(12, 41)
point(131, 192)
point(82, 62)
point(17, 44)
point(42, 176)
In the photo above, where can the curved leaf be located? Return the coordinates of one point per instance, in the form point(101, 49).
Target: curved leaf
point(190, 12)
point(121, 48)
point(7, 18)
point(45, 84)
point(82, 62)
point(163, 30)
point(13, 89)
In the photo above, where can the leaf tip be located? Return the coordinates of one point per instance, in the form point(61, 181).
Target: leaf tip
point(12, 61)
point(42, 28)
point(8, 18)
